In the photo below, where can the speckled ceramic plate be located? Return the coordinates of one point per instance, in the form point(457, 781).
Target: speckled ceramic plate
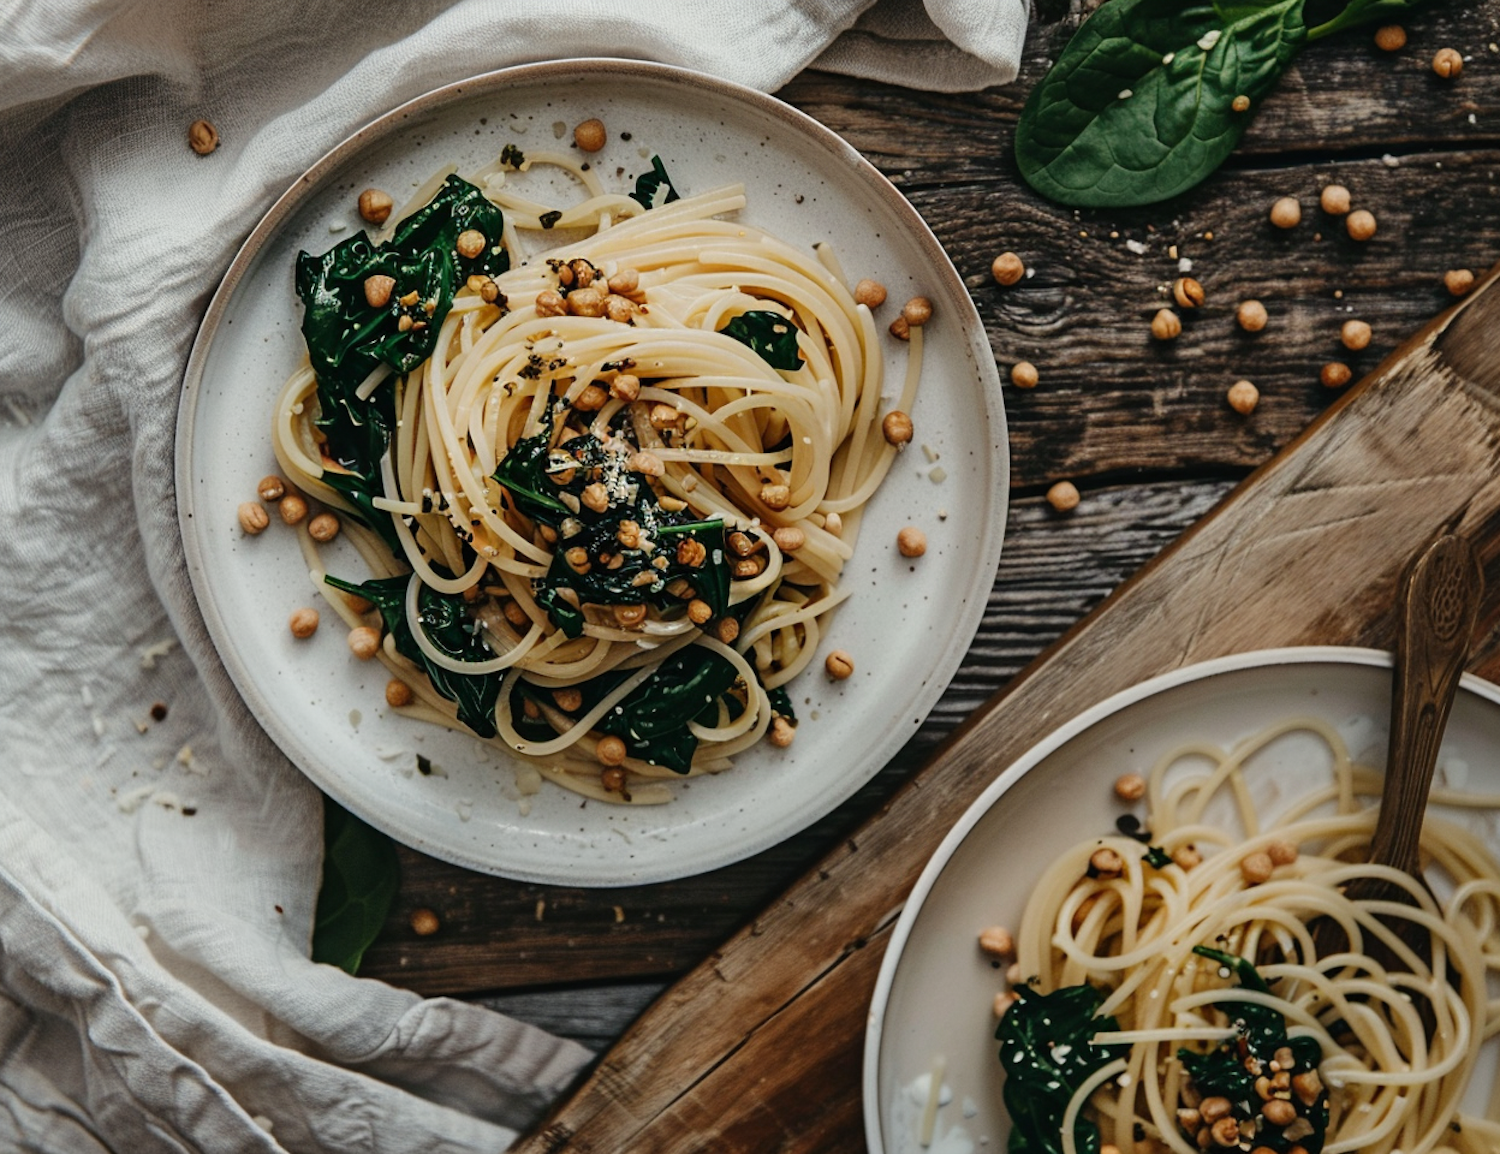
point(908, 624)
point(935, 989)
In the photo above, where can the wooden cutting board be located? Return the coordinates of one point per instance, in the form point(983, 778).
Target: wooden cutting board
point(759, 1048)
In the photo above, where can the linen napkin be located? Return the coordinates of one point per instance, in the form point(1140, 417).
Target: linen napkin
point(159, 874)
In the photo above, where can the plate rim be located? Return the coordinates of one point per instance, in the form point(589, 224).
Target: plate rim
point(837, 152)
point(1359, 656)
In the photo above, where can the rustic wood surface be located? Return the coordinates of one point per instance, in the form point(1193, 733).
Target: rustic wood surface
point(1142, 428)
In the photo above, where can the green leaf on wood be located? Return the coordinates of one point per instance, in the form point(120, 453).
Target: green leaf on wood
point(360, 877)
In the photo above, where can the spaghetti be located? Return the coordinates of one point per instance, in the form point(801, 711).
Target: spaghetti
point(1173, 1060)
point(606, 491)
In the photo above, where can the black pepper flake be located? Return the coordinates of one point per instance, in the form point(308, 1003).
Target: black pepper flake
point(624, 136)
point(1130, 825)
point(189, 810)
point(548, 219)
point(159, 711)
point(512, 156)
point(585, 166)
point(1138, 1132)
point(424, 765)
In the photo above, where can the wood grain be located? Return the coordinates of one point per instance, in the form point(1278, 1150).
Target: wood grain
point(1307, 550)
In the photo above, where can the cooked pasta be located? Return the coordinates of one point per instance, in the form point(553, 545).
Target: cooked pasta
point(620, 489)
point(1356, 1044)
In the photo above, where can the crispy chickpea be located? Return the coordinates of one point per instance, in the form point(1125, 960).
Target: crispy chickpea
point(1240, 103)
point(375, 206)
point(629, 534)
point(577, 559)
point(840, 665)
point(699, 612)
point(647, 464)
point(610, 750)
point(595, 497)
point(619, 309)
point(625, 387)
point(516, 615)
point(1007, 269)
point(1063, 496)
point(917, 312)
point(1279, 1112)
point(397, 693)
point(900, 329)
point(1251, 316)
point(613, 780)
point(1458, 281)
point(664, 416)
point(624, 282)
point(1188, 293)
point(1307, 1086)
point(1256, 868)
point(833, 524)
point(1390, 38)
point(1243, 396)
point(364, 642)
point(630, 616)
point(911, 542)
point(775, 496)
point(591, 399)
point(1360, 224)
point(568, 698)
point(789, 538)
point(1447, 63)
point(727, 630)
point(1286, 212)
point(691, 553)
point(1334, 199)
point(424, 923)
point(303, 622)
point(253, 517)
point(323, 527)
point(203, 137)
point(1106, 862)
point(742, 544)
point(1023, 375)
point(271, 488)
point(293, 509)
point(1355, 334)
point(550, 303)
point(1226, 1132)
point(590, 135)
point(782, 732)
point(470, 243)
point(896, 427)
point(870, 293)
point(1281, 853)
point(586, 302)
point(1130, 787)
point(1166, 325)
point(1187, 856)
point(1212, 1109)
point(1335, 375)
point(998, 943)
point(378, 289)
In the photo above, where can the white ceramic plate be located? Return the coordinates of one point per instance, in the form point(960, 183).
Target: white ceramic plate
point(935, 989)
point(907, 625)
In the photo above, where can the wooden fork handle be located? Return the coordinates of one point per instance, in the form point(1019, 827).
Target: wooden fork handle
point(1438, 605)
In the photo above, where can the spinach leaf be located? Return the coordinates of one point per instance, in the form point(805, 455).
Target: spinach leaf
point(1358, 12)
point(1047, 1054)
point(360, 877)
point(768, 334)
point(1139, 106)
point(445, 621)
point(648, 186)
point(653, 718)
point(1157, 858)
point(348, 338)
point(781, 703)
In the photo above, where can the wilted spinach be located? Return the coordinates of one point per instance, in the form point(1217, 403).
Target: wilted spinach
point(1047, 1054)
point(648, 186)
point(348, 338)
point(1140, 105)
point(360, 878)
point(768, 334)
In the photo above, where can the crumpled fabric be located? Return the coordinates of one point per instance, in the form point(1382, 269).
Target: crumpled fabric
point(158, 878)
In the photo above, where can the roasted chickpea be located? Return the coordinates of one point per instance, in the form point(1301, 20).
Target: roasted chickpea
point(870, 293)
point(1007, 269)
point(590, 135)
point(303, 622)
point(375, 206)
point(896, 427)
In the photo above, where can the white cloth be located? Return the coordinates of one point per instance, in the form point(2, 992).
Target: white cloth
point(155, 989)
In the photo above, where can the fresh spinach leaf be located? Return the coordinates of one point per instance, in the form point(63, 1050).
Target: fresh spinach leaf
point(445, 622)
point(1139, 106)
point(348, 338)
point(360, 878)
point(1157, 858)
point(648, 186)
point(1358, 12)
point(768, 334)
point(1046, 1051)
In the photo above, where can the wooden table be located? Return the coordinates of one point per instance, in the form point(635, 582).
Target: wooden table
point(1141, 427)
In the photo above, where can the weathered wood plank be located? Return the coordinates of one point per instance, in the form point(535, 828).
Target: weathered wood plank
point(1053, 570)
point(1308, 550)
